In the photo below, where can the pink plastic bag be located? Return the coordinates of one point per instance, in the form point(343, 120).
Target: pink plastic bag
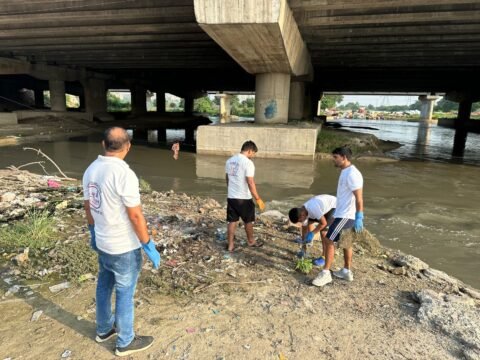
point(53, 184)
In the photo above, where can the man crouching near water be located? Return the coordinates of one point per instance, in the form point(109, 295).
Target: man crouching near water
point(317, 210)
point(118, 231)
point(348, 214)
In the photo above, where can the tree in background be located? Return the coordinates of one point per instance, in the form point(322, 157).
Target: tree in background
point(444, 105)
point(205, 105)
point(115, 103)
point(235, 105)
point(417, 105)
point(330, 101)
point(350, 106)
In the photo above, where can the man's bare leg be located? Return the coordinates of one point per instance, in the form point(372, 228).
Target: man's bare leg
point(249, 232)
point(231, 227)
point(323, 236)
point(329, 254)
point(347, 257)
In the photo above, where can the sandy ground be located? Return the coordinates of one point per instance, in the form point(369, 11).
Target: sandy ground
point(204, 304)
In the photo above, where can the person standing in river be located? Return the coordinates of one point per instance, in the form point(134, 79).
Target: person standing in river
point(348, 214)
point(239, 174)
point(118, 231)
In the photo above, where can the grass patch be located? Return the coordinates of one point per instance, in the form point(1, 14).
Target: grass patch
point(35, 231)
point(145, 186)
point(304, 265)
point(329, 139)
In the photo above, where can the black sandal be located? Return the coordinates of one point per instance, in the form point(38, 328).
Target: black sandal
point(257, 244)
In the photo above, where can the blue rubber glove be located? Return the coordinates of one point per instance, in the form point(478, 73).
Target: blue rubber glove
point(93, 241)
point(358, 226)
point(309, 237)
point(152, 253)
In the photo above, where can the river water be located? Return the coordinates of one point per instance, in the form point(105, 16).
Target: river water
point(426, 208)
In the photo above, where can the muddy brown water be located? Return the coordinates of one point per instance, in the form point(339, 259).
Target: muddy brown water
point(430, 210)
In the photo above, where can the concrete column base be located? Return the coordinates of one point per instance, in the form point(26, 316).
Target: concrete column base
point(8, 118)
point(273, 141)
point(271, 98)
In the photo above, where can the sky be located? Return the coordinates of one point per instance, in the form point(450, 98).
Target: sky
point(379, 100)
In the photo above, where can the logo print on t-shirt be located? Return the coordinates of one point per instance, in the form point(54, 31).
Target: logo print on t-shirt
point(95, 195)
point(233, 168)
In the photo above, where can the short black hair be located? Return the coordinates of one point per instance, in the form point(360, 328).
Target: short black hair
point(343, 151)
point(294, 214)
point(249, 145)
point(115, 139)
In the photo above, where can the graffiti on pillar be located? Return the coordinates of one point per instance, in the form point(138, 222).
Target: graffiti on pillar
point(271, 109)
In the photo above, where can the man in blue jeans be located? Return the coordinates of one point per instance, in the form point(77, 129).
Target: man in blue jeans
point(118, 231)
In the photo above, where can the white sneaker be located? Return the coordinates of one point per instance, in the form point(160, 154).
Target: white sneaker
point(344, 274)
point(323, 278)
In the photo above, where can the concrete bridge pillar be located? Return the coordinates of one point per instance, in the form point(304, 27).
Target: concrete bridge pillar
point(296, 106)
point(188, 107)
point(225, 108)
point(160, 101)
point(426, 111)
point(269, 27)
point(95, 96)
point(58, 101)
point(272, 92)
point(162, 135)
point(39, 100)
point(461, 132)
point(139, 100)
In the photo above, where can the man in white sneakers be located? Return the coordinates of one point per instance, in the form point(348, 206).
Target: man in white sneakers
point(118, 231)
point(314, 215)
point(348, 214)
point(239, 173)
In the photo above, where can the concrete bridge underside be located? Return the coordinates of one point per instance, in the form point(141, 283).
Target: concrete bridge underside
point(375, 44)
point(302, 47)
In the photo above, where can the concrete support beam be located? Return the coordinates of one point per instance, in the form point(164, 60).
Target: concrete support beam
point(162, 135)
point(189, 102)
point(95, 96)
point(426, 111)
point(190, 135)
point(225, 108)
point(296, 104)
point(271, 98)
point(261, 35)
point(461, 132)
point(39, 100)
point(160, 101)
point(139, 100)
point(58, 100)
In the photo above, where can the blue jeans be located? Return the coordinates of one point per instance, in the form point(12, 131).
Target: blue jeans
point(120, 271)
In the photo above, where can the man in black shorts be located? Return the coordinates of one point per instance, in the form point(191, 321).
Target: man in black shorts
point(239, 173)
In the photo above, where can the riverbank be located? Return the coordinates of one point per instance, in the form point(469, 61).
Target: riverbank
point(204, 304)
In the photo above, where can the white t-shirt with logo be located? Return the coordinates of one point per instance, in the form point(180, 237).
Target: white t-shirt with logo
point(350, 180)
point(238, 168)
point(318, 206)
point(110, 186)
